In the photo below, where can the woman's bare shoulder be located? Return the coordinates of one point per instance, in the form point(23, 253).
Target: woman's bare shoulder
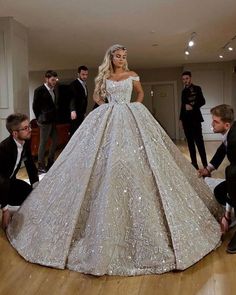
point(132, 74)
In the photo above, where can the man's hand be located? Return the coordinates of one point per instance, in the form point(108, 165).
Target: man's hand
point(204, 173)
point(6, 217)
point(225, 222)
point(73, 115)
point(188, 107)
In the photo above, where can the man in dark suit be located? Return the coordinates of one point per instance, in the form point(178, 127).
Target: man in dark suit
point(223, 122)
point(78, 99)
point(13, 150)
point(44, 107)
point(191, 118)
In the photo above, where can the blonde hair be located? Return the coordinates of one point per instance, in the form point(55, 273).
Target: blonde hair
point(106, 69)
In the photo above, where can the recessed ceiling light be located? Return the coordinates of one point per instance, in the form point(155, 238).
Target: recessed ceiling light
point(221, 56)
point(230, 48)
point(186, 52)
point(191, 43)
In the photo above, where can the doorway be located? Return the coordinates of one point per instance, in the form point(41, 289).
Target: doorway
point(161, 100)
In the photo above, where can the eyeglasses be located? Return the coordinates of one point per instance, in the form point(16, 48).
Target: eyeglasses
point(26, 128)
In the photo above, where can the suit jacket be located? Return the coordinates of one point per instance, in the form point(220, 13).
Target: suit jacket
point(8, 157)
point(192, 95)
point(78, 98)
point(229, 151)
point(43, 106)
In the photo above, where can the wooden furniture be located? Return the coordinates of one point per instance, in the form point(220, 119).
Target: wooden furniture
point(63, 137)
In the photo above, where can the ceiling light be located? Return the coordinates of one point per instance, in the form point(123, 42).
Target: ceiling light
point(229, 46)
point(191, 39)
point(190, 43)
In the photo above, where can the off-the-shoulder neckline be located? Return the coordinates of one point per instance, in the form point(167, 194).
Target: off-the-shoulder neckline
point(122, 79)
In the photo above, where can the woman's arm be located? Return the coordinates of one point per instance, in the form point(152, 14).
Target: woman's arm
point(139, 91)
point(98, 99)
point(137, 88)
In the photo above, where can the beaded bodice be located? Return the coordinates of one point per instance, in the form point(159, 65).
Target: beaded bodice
point(120, 91)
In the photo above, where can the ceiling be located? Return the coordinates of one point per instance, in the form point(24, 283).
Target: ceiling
point(63, 34)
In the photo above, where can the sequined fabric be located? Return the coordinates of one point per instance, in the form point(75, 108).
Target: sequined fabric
point(120, 199)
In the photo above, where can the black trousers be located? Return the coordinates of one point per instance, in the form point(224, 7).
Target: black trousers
point(221, 194)
point(74, 124)
point(193, 133)
point(19, 191)
point(47, 131)
point(225, 192)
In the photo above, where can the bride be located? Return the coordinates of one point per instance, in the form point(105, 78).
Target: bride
point(120, 199)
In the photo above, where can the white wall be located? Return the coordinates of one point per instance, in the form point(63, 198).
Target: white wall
point(163, 75)
point(234, 87)
point(14, 82)
point(217, 80)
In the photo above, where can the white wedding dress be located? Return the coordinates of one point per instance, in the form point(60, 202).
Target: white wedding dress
point(121, 199)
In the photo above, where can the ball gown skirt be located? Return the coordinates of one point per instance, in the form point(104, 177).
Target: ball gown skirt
point(120, 199)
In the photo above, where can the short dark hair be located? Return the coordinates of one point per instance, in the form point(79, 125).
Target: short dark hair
point(50, 73)
point(14, 120)
point(82, 68)
point(225, 112)
point(187, 73)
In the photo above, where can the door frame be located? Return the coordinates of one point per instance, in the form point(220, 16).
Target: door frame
point(176, 105)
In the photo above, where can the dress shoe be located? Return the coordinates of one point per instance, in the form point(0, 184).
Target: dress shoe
point(232, 245)
point(49, 165)
point(42, 168)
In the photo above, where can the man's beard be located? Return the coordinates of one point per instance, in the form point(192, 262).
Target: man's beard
point(25, 138)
